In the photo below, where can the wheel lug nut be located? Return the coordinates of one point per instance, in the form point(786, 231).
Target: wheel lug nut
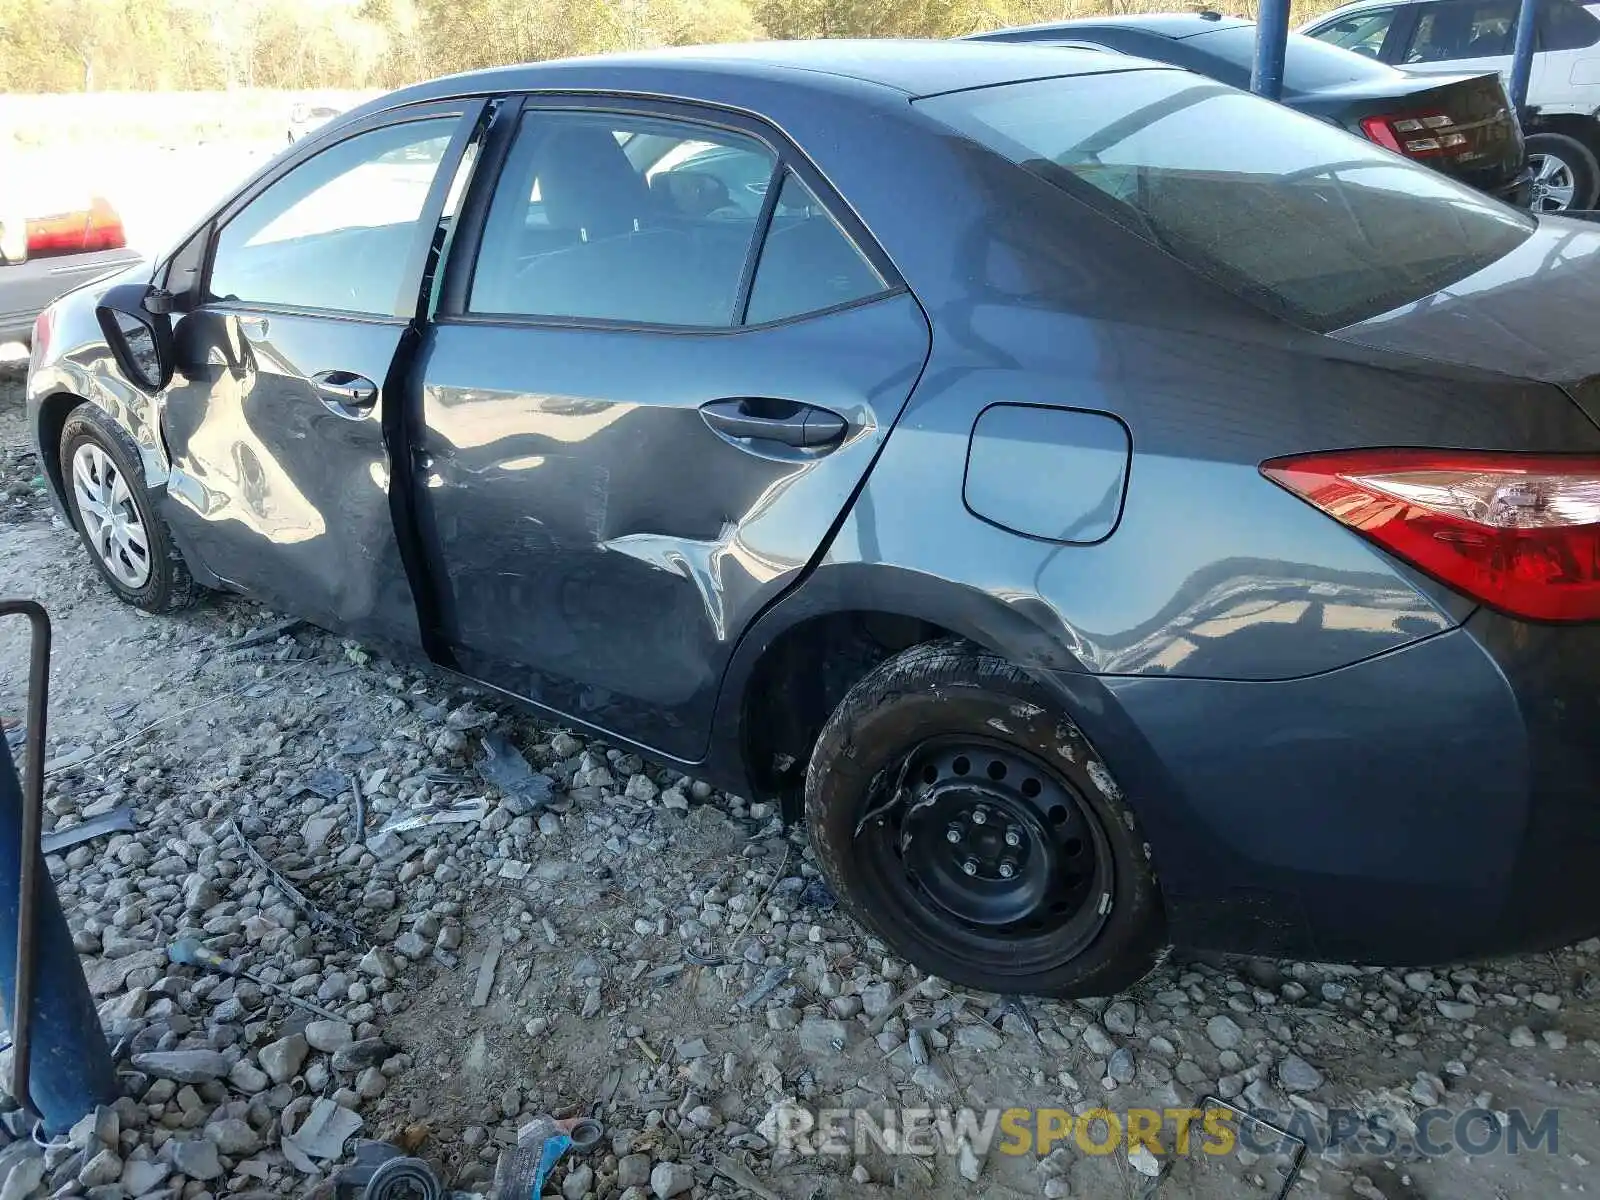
point(953, 834)
point(1013, 837)
point(1007, 870)
point(970, 866)
point(980, 816)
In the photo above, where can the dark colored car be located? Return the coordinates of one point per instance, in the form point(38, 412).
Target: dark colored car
point(1462, 125)
point(51, 243)
point(1110, 534)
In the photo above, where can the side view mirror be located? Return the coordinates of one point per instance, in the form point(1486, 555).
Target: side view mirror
point(137, 322)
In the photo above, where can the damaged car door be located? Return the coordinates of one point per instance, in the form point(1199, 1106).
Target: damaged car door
point(282, 408)
point(655, 379)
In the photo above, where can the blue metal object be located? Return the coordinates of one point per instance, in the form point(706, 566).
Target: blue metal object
point(54, 1025)
point(1522, 53)
point(1272, 41)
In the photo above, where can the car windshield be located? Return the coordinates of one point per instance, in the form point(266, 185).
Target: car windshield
point(1311, 223)
point(1308, 65)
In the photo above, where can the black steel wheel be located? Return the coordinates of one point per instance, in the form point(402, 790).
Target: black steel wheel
point(975, 830)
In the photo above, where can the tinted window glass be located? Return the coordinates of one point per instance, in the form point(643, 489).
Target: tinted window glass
point(1565, 26)
point(335, 232)
point(1308, 65)
point(807, 262)
point(1362, 33)
point(1297, 216)
point(621, 218)
point(1461, 30)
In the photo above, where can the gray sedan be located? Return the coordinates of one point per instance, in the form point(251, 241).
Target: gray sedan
point(1117, 511)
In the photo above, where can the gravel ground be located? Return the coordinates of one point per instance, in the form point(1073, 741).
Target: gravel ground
point(583, 942)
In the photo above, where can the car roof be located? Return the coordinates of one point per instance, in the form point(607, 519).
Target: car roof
point(1169, 25)
point(914, 67)
point(1357, 6)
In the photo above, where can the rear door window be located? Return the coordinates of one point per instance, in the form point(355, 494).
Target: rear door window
point(808, 264)
point(616, 217)
point(1311, 223)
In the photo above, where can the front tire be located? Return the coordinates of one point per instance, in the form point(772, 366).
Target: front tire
point(128, 542)
point(1565, 173)
point(974, 829)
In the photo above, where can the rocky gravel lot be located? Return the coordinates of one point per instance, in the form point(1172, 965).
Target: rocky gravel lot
point(599, 936)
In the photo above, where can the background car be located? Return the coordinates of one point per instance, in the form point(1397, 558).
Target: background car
point(1451, 36)
point(1014, 492)
point(1461, 125)
point(305, 119)
point(53, 238)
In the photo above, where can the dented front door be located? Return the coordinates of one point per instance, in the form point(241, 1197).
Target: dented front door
point(600, 545)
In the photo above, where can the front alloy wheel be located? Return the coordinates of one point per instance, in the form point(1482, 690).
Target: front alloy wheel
point(127, 539)
point(111, 522)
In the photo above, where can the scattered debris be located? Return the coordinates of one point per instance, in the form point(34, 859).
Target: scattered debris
point(325, 1130)
point(118, 820)
point(190, 953)
point(263, 634)
point(456, 812)
point(359, 832)
point(505, 768)
point(326, 782)
point(347, 931)
point(491, 959)
point(774, 978)
point(737, 1172)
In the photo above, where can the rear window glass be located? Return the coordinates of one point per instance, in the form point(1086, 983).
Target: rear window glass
point(1308, 65)
point(1309, 222)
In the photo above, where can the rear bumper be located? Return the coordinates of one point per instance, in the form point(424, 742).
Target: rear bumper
point(1435, 803)
point(1518, 192)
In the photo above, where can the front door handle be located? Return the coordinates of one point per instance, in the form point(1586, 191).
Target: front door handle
point(786, 421)
point(346, 393)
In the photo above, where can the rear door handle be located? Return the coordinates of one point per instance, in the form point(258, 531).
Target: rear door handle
point(346, 393)
point(785, 421)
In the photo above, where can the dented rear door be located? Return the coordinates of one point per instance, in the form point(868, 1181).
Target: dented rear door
point(599, 537)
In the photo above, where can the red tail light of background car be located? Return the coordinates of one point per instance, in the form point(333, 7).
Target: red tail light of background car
point(1518, 532)
point(97, 227)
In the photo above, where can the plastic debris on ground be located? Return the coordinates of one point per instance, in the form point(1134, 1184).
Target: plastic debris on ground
point(541, 1144)
point(118, 820)
point(504, 768)
point(323, 1133)
point(348, 932)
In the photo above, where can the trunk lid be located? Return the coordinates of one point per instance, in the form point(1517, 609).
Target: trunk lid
point(1530, 313)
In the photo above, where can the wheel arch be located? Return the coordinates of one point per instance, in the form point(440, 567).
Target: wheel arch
point(1581, 127)
point(795, 664)
point(53, 411)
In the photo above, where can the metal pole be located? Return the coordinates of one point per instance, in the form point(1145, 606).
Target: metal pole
point(1272, 39)
point(1522, 53)
point(48, 996)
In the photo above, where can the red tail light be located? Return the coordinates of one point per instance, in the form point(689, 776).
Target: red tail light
point(1518, 532)
point(97, 227)
point(1416, 135)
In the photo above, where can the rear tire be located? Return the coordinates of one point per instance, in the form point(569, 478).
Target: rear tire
point(1566, 173)
point(128, 542)
point(1011, 862)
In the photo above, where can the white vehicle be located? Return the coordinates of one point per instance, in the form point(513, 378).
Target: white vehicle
point(1463, 36)
point(308, 118)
